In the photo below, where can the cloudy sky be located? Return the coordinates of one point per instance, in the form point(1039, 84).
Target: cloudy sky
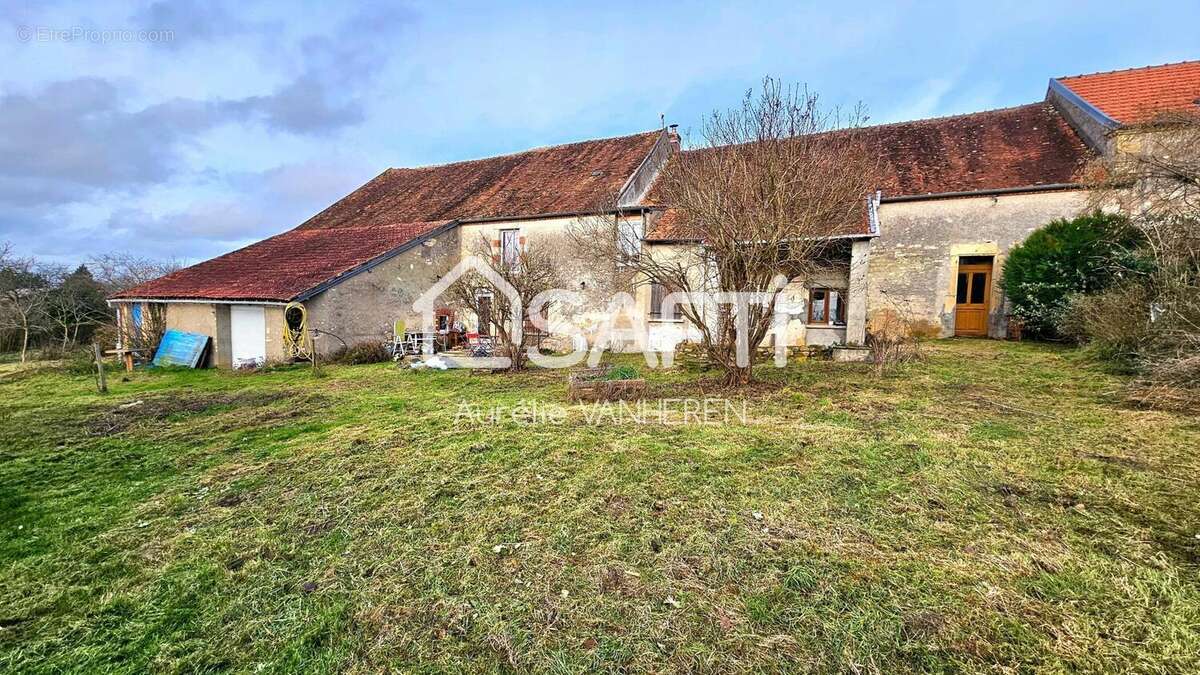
point(187, 129)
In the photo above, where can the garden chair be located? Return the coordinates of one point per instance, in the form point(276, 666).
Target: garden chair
point(480, 345)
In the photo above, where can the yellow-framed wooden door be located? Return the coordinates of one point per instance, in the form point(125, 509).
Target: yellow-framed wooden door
point(973, 297)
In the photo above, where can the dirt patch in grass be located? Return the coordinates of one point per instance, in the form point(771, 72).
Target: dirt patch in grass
point(1125, 462)
point(156, 409)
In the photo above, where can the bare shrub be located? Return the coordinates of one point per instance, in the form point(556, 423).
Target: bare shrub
point(1115, 323)
point(1153, 324)
point(892, 337)
point(144, 335)
point(923, 329)
point(1172, 385)
point(363, 353)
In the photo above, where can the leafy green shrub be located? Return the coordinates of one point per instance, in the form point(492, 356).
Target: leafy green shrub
point(364, 352)
point(622, 373)
point(1066, 257)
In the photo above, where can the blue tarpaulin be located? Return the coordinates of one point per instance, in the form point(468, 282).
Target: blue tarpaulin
point(180, 349)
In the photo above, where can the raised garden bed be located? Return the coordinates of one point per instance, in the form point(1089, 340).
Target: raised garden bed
point(850, 353)
point(604, 384)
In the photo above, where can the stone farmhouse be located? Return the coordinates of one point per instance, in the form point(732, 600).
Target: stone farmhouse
point(957, 193)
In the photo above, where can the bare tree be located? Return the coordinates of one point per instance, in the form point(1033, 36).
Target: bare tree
point(120, 271)
point(1154, 179)
point(765, 195)
point(23, 294)
point(531, 269)
point(75, 305)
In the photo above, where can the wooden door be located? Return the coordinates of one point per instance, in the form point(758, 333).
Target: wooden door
point(973, 298)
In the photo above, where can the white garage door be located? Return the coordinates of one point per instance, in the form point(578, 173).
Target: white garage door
point(248, 334)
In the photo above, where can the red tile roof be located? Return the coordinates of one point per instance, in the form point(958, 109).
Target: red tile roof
point(668, 225)
point(559, 179)
point(1025, 146)
point(1134, 95)
point(284, 266)
point(363, 225)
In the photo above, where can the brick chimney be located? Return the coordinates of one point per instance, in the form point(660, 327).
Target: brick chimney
point(673, 137)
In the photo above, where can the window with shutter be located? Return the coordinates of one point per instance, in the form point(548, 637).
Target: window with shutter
point(657, 293)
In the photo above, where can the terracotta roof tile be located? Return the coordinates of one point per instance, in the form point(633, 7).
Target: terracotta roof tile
point(558, 179)
point(562, 178)
point(284, 266)
point(1017, 147)
point(670, 225)
point(1025, 146)
point(1135, 95)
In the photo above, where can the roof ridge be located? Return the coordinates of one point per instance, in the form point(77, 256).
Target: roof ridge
point(941, 118)
point(923, 120)
point(540, 148)
point(1128, 70)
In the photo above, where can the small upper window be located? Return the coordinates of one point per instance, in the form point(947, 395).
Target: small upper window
point(629, 235)
point(510, 247)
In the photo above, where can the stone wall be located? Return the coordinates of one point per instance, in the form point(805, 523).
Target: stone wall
point(913, 263)
point(365, 307)
point(592, 285)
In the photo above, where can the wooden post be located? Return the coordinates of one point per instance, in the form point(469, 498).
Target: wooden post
point(101, 381)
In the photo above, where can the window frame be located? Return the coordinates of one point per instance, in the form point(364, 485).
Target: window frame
point(662, 291)
point(835, 314)
point(515, 234)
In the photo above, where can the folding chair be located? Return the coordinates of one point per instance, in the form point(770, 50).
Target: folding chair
point(480, 345)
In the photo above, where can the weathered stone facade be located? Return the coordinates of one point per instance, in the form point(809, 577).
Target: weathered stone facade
point(913, 263)
point(365, 307)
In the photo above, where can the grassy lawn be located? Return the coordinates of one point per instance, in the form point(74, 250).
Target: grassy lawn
point(993, 508)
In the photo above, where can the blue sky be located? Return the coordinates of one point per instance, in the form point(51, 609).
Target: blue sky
point(246, 118)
